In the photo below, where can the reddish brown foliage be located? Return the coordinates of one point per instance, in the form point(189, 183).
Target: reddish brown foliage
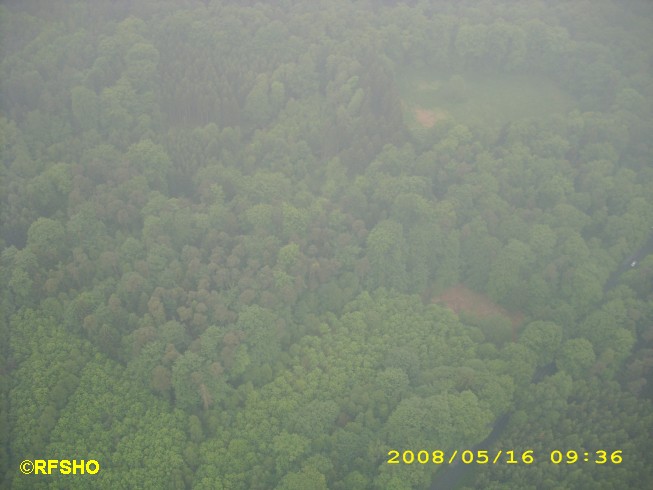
point(462, 299)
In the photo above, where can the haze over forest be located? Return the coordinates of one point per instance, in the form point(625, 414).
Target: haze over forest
point(260, 245)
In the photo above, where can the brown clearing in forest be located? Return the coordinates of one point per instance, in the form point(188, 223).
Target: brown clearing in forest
point(462, 299)
point(427, 118)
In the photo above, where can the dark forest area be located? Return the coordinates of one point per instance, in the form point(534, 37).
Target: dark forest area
point(266, 245)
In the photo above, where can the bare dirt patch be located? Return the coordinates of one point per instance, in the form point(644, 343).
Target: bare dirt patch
point(462, 299)
point(427, 118)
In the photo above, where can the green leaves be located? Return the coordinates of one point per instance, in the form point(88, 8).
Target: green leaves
point(288, 448)
point(46, 240)
point(85, 107)
point(187, 381)
point(386, 251)
point(543, 338)
point(577, 358)
point(152, 161)
point(309, 477)
point(211, 214)
point(440, 420)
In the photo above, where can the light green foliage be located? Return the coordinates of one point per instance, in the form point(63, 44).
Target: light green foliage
point(116, 106)
point(85, 107)
point(543, 339)
point(141, 65)
point(386, 249)
point(257, 106)
point(262, 329)
point(507, 277)
point(295, 221)
point(46, 240)
point(86, 231)
point(152, 161)
point(288, 448)
point(229, 248)
point(308, 477)
point(448, 419)
point(49, 190)
point(186, 380)
point(577, 357)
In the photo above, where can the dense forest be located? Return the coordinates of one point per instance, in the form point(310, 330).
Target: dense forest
point(261, 245)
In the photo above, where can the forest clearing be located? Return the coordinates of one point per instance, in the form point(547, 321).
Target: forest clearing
point(461, 299)
point(479, 98)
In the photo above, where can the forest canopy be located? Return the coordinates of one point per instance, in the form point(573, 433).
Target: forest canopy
point(252, 245)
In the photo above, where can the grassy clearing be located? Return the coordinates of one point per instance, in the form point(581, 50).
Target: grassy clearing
point(486, 99)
